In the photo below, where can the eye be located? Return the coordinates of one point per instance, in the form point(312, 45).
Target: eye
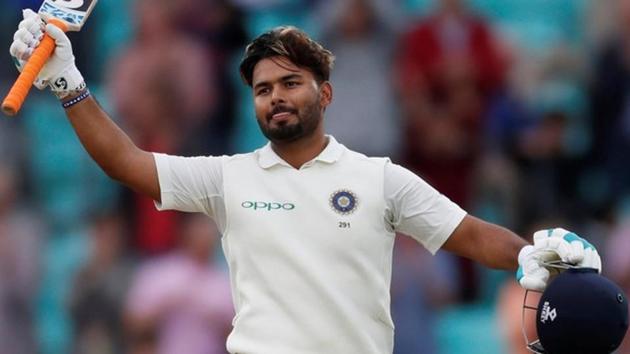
point(292, 83)
point(262, 91)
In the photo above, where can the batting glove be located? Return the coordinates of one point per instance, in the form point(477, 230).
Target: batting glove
point(554, 245)
point(60, 72)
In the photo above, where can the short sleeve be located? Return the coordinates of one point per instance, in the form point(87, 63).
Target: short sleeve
point(417, 209)
point(191, 184)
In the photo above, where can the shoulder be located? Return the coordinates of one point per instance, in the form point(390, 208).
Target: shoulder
point(358, 157)
point(241, 157)
point(182, 163)
point(199, 158)
point(398, 177)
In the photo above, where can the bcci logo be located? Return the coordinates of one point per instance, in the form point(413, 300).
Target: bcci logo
point(547, 313)
point(343, 201)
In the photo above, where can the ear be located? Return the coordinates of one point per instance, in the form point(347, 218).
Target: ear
point(326, 95)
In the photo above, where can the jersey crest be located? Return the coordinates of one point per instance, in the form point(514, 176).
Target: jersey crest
point(344, 201)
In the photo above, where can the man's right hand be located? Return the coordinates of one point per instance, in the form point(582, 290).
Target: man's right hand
point(60, 72)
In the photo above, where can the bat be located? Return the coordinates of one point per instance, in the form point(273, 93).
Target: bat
point(68, 15)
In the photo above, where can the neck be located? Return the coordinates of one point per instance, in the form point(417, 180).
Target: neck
point(303, 150)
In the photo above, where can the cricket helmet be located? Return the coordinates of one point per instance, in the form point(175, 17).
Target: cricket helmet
point(580, 312)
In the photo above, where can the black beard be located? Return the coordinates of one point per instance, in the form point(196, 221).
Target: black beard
point(286, 133)
point(307, 122)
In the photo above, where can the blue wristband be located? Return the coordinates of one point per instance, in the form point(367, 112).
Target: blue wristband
point(71, 102)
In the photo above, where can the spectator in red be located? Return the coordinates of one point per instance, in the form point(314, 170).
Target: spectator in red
point(161, 89)
point(449, 67)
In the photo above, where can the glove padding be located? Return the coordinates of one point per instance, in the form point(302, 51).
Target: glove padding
point(550, 246)
point(60, 72)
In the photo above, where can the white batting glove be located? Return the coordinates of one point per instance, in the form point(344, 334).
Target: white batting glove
point(531, 274)
point(60, 72)
point(551, 246)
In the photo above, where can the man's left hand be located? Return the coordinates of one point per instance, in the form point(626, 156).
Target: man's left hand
point(554, 245)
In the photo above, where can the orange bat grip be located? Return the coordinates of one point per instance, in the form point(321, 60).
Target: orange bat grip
point(16, 96)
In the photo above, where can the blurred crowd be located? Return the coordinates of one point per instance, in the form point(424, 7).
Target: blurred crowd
point(518, 110)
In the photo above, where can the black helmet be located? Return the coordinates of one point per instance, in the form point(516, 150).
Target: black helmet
point(580, 312)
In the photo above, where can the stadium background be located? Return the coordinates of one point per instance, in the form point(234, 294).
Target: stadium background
point(529, 129)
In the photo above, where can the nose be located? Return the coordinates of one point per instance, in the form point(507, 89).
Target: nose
point(277, 96)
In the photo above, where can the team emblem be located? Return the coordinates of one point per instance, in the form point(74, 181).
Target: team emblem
point(547, 313)
point(344, 201)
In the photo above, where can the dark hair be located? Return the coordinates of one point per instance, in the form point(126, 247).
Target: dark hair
point(292, 43)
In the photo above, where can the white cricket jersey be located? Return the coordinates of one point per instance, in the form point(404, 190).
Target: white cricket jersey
point(310, 249)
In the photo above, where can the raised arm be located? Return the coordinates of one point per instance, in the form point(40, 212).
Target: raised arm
point(113, 150)
point(106, 143)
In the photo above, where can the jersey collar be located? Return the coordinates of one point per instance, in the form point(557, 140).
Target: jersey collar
point(332, 152)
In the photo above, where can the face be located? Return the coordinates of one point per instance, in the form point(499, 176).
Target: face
point(452, 6)
point(356, 18)
point(288, 100)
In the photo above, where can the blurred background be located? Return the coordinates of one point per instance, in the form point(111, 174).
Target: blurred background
point(518, 110)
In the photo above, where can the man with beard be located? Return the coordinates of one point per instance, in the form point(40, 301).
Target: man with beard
point(308, 225)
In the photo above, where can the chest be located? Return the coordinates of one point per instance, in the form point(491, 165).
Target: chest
point(325, 208)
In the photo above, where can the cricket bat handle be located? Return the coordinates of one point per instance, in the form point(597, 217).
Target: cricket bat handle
point(16, 96)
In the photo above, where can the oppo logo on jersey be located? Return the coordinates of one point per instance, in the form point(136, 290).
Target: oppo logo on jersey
point(268, 206)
